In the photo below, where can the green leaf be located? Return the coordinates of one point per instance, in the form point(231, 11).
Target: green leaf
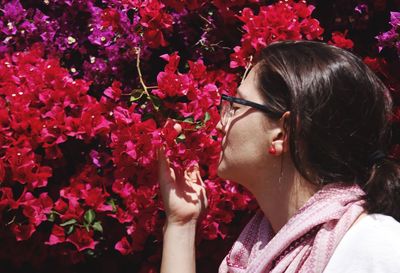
point(70, 229)
point(207, 117)
point(90, 252)
point(156, 102)
point(138, 94)
point(89, 216)
point(180, 138)
point(51, 217)
point(132, 98)
point(112, 203)
point(189, 120)
point(97, 226)
point(69, 222)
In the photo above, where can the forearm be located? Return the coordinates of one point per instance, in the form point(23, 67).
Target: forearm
point(179, 249)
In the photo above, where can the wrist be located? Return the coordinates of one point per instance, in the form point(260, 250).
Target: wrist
point(179, 247)
point(178, 221)
point(180, 225)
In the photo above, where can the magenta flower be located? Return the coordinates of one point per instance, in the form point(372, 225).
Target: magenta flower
point(391, 38)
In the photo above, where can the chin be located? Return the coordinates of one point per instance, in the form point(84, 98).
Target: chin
point(225, 172)
point(222, 171)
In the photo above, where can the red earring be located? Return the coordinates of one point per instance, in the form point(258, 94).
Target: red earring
point(272, 150)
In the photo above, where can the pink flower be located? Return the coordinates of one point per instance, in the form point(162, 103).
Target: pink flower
point(173, 62)
point(114, 92)
point(123, 246)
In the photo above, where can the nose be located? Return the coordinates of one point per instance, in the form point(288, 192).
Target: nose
point(219, 126)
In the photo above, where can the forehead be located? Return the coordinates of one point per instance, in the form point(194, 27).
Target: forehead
point(248, 87)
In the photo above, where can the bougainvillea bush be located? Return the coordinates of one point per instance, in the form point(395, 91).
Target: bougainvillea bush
point(90, 89)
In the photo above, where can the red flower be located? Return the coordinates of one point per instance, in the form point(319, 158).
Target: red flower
point(57, 235)
point(111, 18)
point(339, 39)
point(302, 9)
point(173, 62)
point(74, 211)
point(311, 28)
point(114, 92)
point(2, 170)
point(124, 216)
point(154, 38)
point(125, 190)
point(36, 209)
point(171, 85)
point(95, 198)
point(154, 19)
point(285, 20)
point(82, 239)
point(22, 231)
point(60, 206)
point(93, 122)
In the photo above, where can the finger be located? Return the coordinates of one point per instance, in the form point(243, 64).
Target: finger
point(162, 159)
point(190, 176)
point(200, 180)
point(165, 172)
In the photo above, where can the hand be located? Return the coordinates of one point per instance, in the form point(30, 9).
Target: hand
point(184, 195)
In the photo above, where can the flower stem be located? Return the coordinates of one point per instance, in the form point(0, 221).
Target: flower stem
point(248, 66)
point(145, 88)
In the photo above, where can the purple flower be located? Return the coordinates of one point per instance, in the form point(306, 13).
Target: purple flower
point(47, 28)
point(27, 27)
point(391, 38)
point(9, 28)
point(387, 37)
point(13, 11)
point(101, 37)
point(96, 70)
point(361, 9)
point(395, 19)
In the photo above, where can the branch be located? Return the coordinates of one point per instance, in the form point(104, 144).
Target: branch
point(145, 88)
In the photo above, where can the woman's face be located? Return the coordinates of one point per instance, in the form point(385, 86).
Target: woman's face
point(247, 136)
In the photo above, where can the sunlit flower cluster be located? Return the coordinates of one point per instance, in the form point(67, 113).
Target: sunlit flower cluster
point(89, 90)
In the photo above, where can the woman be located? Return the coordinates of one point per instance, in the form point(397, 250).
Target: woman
point(308, 135)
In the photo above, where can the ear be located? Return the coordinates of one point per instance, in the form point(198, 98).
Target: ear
point(280, 140)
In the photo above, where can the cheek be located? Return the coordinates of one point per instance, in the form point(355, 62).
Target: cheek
point(251, 135)
point(245, 144)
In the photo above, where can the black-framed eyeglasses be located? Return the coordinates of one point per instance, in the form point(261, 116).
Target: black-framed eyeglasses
point(226, 111)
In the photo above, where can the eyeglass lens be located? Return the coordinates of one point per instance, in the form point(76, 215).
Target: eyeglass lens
point(226, 107)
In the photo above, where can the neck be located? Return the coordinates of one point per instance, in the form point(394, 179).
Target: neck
point(280, 200)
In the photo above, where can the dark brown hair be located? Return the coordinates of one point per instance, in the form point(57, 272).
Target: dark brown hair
point(339, 129)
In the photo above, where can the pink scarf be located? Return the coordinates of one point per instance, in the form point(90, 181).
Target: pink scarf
point(305, 243)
